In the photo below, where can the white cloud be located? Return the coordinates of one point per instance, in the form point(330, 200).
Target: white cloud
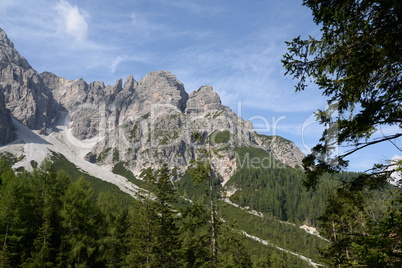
point(252, 68)
point(194, 7)
point(144, 58)
point(73, 21)
point(142, 24)
point(115, 63)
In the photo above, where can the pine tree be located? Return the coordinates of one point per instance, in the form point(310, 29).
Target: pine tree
point(266, 261)
point(16, 214)
point(234, 254)
point(111, 230)
point(47, 204)
point(202, 170)
point(80, 219)
point(139, 238)
point(168, 233)
point(196, 238)
point(152, 235)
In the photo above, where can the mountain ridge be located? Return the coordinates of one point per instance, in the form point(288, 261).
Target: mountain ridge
point(139, 124)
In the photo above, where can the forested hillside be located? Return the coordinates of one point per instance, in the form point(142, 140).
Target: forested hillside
point(279, 191)
point(52, 219)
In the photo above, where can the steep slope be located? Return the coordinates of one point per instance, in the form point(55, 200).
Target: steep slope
point(7, 134)
point(282, 149)
point(136, 124)
point(26, 96)
point(146, 123)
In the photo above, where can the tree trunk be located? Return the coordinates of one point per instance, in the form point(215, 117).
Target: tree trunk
point(213, 220)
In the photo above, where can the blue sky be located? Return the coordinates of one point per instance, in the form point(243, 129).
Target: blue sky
point(235, 46)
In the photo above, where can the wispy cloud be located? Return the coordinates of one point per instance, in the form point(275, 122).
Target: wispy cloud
point(145, 58)
point(193, 6)
point(152, 27)
point(73, 21)
point(250, 67)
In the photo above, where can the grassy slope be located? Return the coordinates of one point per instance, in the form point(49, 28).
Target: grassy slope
point(61, 163)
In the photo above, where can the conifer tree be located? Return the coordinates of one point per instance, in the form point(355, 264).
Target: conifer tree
point(202, 170)
point(15, 216)
point(112, 229)
point(47, 204)
point(80, 219)
point(266, 261)
point(152, 234)
point(196, 237)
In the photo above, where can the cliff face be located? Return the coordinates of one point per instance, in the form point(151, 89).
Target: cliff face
point(282, 149)
point(26, 96)
point(150, 122)
point(137, 123)
point(7, 134)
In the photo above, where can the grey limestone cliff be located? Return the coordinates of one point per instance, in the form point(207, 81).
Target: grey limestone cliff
point(150, 122)
point(7, 134)
point(282, 149)
point(26, 96)
point(139, 124)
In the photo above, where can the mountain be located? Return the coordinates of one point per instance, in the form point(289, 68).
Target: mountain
point(146, 123)
point(138, 124)
point(26, 96)
point(99, 131)
point(7, 134)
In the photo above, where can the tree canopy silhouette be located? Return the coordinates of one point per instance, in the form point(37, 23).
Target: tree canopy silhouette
point(357, 63)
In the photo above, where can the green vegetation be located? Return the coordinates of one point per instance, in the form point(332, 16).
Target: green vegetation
point(284, 235)
point(133, 131)
point(120, 169)
point(164, 141)
point(34, 164)
point(103, 154)
point(9, 157)
point(220, 136)
point(116, 155)
point(270, 137)
point(269, 186)
point(49, 219)
point(357, 63)
point(217, 114)
point(145, 116)
point(60, 163)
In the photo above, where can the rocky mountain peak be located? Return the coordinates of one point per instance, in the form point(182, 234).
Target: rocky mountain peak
point(130, 84)
point(162, 88)
point(138, 124)
point(203, 100)
point(8, 54)
point(282, 149)
point(25, 94)
point(4, 38)
point(161, 78)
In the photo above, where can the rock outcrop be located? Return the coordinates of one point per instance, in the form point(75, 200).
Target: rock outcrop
point(7, 134)
point(138, 124)
point(282, 149)
point(26, 96)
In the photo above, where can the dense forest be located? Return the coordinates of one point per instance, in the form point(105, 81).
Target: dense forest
point(279, 192)
point(52, 219)
point(58, 216)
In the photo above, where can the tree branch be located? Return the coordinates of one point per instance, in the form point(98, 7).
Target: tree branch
point(387, 138)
